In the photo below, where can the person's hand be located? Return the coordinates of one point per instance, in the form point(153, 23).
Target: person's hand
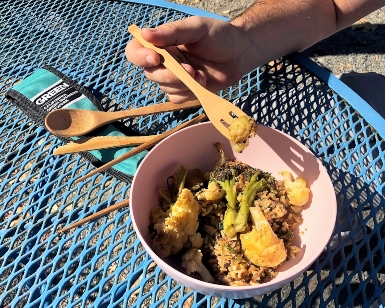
point(212, 51)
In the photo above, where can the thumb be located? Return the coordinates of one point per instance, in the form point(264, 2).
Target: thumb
point(185, 31)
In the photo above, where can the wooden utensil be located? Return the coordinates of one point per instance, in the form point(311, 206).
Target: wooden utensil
point(93, 143)
point(69, 122)
point(220, 111)
point(142, 147)
point(96, 215)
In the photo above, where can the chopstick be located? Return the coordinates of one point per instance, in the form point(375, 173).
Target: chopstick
point(142, 147)
point(96, 215)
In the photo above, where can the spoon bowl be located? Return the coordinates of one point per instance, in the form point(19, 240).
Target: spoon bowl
point(72, 122)
point(69, 122)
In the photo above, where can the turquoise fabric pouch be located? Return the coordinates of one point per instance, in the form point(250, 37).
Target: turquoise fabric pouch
point(48, 89)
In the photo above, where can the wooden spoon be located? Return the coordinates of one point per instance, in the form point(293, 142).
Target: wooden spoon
point(219, 111)
point(69, 122)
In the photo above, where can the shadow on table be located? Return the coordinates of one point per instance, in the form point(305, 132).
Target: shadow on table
point(359, 39)
point(359, 253)
point(351, 152)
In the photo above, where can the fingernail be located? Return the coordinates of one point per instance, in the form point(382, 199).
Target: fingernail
point(150, 60)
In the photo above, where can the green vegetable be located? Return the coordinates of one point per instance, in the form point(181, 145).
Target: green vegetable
point(288, 236)
point(255, 186)
point(228, 176)
point(225, 177)
point(232, 250)
point(178, 182)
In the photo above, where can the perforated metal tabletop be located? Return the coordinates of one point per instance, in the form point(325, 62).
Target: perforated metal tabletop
point(103, 264)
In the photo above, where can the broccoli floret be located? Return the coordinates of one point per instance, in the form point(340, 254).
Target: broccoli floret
point(255, 185)
point(228, 177)
point(225, 176)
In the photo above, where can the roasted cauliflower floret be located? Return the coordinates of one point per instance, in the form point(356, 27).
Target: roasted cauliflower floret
point(213, 192)
point(172, 231)
point(296, 190)
point(192, 262)
point(240, 130)
point(194, 241)
point(261, 245)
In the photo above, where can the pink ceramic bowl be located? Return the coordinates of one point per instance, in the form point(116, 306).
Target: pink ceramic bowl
point(271, 151)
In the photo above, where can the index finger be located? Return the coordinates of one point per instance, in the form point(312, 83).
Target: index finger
point(141, 56)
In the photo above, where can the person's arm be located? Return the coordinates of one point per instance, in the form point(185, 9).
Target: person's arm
point(348, 12)
point(279, 27)
point(218, 53)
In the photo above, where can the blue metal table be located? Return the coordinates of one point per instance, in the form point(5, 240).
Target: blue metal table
point(103, 264)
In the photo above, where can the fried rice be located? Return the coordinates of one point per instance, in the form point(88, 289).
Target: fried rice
point(225, 257)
